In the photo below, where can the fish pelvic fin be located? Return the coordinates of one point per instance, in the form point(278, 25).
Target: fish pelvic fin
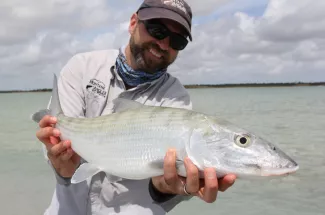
point(54, 107)
point(84, 172)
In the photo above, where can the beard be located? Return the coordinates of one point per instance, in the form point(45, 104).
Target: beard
point(144, 62)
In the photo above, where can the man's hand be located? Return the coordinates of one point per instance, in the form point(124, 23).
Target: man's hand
point(63, 158)
point(206, 189)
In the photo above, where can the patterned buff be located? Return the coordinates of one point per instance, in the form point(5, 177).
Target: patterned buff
point(132, 77)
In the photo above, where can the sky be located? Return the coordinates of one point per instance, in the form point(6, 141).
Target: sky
point(234, 41)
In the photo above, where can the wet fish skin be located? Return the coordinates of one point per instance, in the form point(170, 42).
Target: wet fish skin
point(132, 142)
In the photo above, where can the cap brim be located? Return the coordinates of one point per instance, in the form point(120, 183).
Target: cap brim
point(162, 13)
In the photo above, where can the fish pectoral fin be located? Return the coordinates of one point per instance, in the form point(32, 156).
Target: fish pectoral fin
point(196, 148)
point(159, 164)
point(179, 164)
point(181, 170)
point(84, 172)
point(121, 105)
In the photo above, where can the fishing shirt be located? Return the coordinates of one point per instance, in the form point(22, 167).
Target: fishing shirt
point(87, 85)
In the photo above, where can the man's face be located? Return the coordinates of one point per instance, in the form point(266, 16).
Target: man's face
point(149, 53)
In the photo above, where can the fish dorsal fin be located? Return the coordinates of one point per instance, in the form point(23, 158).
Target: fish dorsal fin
point(55, 105)
point(84, 172)
point(121, 105)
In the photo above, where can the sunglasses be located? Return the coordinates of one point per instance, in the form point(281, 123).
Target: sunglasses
point(159, 31)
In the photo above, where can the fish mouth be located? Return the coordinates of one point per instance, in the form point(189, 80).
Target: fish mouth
point(278, 172)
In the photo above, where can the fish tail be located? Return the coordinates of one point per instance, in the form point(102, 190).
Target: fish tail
point(55, 106)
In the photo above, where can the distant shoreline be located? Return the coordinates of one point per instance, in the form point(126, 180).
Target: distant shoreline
point(299, 84)
point(198, 86)
point(27, 91)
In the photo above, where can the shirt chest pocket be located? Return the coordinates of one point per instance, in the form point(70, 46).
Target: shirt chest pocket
point(95, 103)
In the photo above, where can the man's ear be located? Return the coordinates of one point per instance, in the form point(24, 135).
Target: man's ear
point(133, 23)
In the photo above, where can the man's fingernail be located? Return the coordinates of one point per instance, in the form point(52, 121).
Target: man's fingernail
point(66, 143)
point(56, 132)
point(188, 161)
point(211, 175)
point(53, 119)
point(232, 180)
point(170, 153)
point(70, 151)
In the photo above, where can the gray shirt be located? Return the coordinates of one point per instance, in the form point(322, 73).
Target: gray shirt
point(87, 85)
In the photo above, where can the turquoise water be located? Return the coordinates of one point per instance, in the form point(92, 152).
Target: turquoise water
point(293, 118)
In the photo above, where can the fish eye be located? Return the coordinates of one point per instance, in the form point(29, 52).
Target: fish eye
point(242, 140)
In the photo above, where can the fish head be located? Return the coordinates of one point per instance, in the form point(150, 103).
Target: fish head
point(234, 150)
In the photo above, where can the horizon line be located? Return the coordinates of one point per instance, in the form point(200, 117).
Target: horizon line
point(276, 84)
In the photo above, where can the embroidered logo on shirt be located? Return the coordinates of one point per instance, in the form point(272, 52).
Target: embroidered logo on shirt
point(96, 87)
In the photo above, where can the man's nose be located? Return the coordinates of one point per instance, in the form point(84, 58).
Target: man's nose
point(164, 44)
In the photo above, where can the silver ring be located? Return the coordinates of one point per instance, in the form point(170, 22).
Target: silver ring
point(185, 191)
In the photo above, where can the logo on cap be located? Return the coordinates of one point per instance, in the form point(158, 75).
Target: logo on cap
point(175, 3)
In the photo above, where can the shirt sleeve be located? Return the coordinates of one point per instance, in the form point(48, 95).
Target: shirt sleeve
point(70, 86)
point(176, 95)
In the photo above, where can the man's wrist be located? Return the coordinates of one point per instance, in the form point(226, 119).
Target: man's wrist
point(157, 195)
point(60, 179)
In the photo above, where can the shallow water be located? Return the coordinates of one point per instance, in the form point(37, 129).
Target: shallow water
point(292, 117)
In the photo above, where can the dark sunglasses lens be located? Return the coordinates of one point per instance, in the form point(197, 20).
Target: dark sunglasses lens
point(178, 42)
point(160, 32)
point(157, 31)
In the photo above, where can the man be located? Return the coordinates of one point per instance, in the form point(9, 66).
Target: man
point(88, 84)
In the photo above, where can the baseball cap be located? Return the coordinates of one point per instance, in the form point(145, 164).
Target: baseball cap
point(176, 10)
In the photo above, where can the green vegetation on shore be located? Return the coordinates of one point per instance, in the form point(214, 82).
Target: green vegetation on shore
point(26, 91)
point(297, 84)
point(193, 86)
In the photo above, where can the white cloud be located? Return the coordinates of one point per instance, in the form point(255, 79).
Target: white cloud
point(205, 7)
point(293, 22)
point(37, 37)
point(285, 44)
point(22, 20)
